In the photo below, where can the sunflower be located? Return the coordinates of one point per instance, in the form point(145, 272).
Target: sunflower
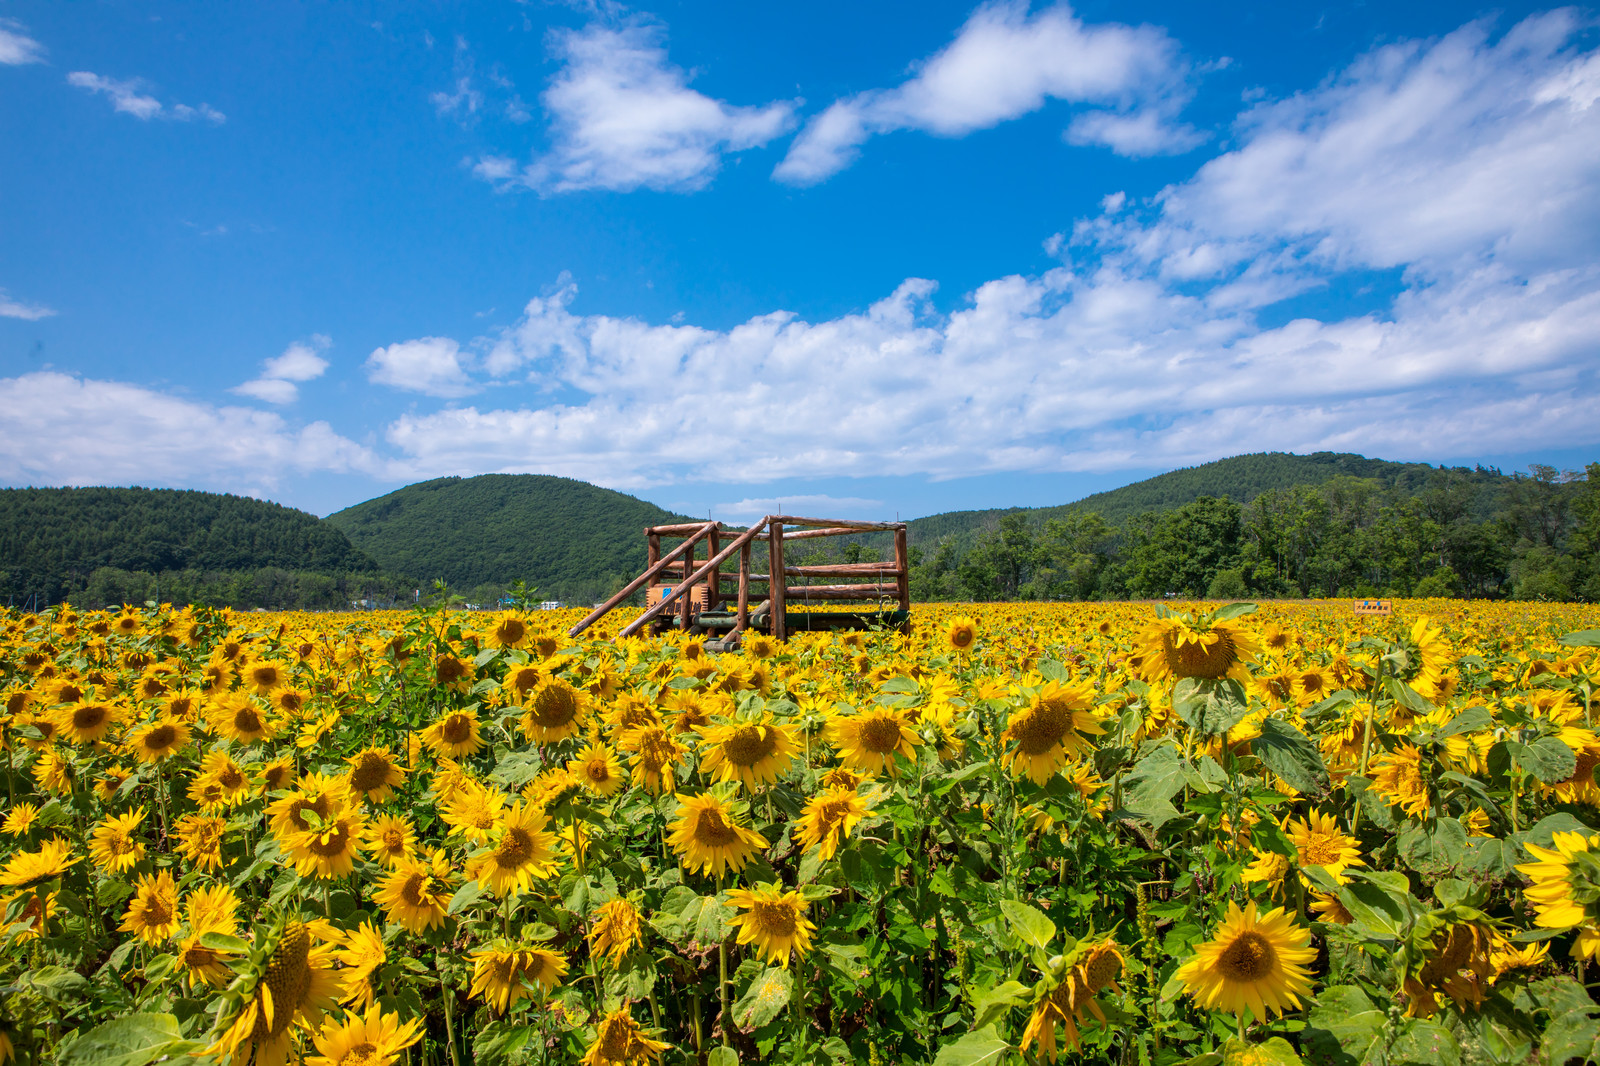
point(392, 839)
point(28, 869)
point(1564, 890)
point(220, 783)
point(152, 914)
point(1252, 963)
point(33, 917)
point(1176, 647)
point(209, 910)
point(509, 631)
point(707, 838)
point(1048, 732)
point(1312, 685)
point(654, 756)
point(294, 983)
point(115, 845)
point(773, 920)
point(317, 793)
point(619, 1041)
point(1269, 868)
point(473, 810)
point(555, 711)
point(20, 819)
point(1330, 909)
point(502, 973)
point(843, 777)
point(827, 820)
point(615, 930)
point(521, 680)
point(453, 672)
point(522, 851)
point(53, 773)
point(1398, 777)
point(376, 1039)
point(158, 741)
point(870, 740)
point(87, 720)
point(1319, 842)
point(417, 893)
point(263, 675)
point(374, 773)
point(289, 701)
point(199, 839)
point(597, 767)
point(360, 956)
point(961, 634)
point(754, 753)
point(454, 735)
point(329, 850)
point(237, 717)
point(1457, 964)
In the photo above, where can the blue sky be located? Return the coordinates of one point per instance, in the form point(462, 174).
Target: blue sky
point(858, 259)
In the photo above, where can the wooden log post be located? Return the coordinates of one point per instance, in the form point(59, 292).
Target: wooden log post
point(780, 628)
point(744, 587)
point(714, 588)
point(902, 566)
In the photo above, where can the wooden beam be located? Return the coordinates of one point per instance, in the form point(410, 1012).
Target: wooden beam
point(744, 587)
point(639, 582)
point(714, 586)
point(681, 589)
point(807, 534)
point(780, 631)
point(791, 520)
point(840, 569)
point(902, 566)
point(840, 592)
point(679, 530)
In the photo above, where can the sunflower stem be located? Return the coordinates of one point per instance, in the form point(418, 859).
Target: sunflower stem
point(725, 1020)
point(1366, 742)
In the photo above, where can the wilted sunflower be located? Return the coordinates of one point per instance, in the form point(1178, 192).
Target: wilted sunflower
point(555, 711)
point(827, 820)
point(1091, 967)
point(152, 914)
point(654, 756)
point(596, 766)
point(961, 634)
point(115, 845)
point(707, 838)
point(209, 910)
point(375, 773)
point(869, 740)
point(293, 984)
point(28, 869)
point(773, 920)
point(1177, 647)
point(1252, 963)
point(522, 851)
point(454, 735)
point(1456, 963)
point(1398, 777)
point(1048, 733)
point(619, 1041)
point(614, 930)
point(417, 893)
point(754, 753)
point(199, 839)
point(501, 973)
point(158, 741)
point(235, 716)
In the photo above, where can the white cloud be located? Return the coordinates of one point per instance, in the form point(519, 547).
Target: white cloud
point(10, 308)
point(431, 365)
point(1005, 63)
point(16, 47)
point(1467, 166)
point(299, 362)
point(128, 97)
point(464, 103)
point(622, 116)
point(804, 506)
point(57, 429)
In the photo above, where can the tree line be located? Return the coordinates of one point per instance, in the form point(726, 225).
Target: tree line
point(1345, 537)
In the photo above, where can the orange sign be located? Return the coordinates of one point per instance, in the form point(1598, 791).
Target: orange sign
point(1374, 607)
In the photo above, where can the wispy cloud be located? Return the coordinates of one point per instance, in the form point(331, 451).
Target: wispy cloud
point(623, 117)
point(832, 506)
point(129, 96)
point(1003, 64)
point(300, 362)
point(16, 47)
point(10, 308)
point(433, 366)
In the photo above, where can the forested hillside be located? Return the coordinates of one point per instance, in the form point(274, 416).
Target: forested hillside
point(571, 539)
point(102, 545)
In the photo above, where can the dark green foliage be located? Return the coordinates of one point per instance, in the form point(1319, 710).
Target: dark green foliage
point(572, 540)
point(117, 542)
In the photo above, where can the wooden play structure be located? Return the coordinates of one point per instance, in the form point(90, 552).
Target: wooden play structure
point(688, 590)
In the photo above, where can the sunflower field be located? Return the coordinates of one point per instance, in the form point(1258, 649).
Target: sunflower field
point(1115, 833)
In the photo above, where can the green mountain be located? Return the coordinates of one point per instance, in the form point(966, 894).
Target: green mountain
point(1241, 478)
point(570, 539)
point(116, 543)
